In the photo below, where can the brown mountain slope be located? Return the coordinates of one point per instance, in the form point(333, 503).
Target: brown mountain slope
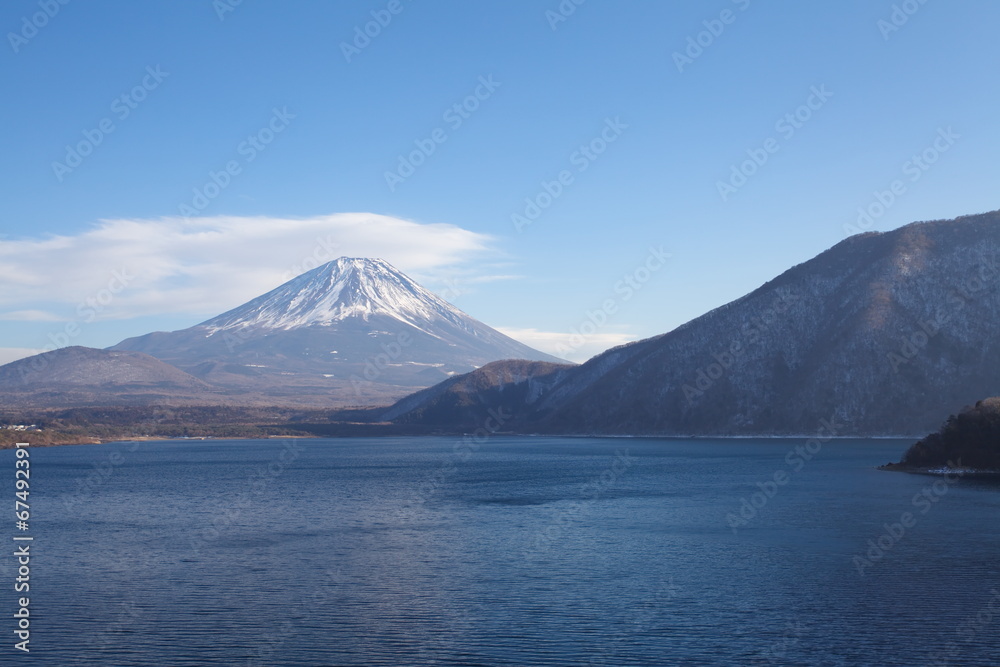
point(506, 387)
point(81, 375)
point(884, 333)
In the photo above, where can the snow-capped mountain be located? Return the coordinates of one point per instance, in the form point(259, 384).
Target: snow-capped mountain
point(351, 332)
point(345, 288)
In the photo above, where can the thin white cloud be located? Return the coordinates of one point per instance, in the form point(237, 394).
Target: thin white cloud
point(492, 279)
point(9, 354)
point(122, 269)
point(30, 316)
point(569, 346)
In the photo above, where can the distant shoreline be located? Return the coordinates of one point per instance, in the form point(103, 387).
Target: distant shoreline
point(81, 442)
point(85, 440)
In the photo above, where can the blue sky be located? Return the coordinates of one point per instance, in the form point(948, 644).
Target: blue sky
point(310, 127)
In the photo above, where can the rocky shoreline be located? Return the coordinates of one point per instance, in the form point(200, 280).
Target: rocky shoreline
point(972, 473)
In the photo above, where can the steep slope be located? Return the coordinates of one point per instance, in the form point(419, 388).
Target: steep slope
point(351, 332)
point(885, 333)
point(881, 334)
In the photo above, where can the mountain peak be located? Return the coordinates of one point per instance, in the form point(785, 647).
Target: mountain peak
point(362, 264)
point(348, 287)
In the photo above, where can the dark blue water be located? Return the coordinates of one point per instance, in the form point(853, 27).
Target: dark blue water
point(529, 551)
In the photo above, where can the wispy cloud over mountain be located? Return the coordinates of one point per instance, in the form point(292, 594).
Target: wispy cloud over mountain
point(121, 269)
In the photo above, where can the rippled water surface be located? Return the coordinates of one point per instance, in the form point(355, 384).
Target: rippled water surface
point(529, 551)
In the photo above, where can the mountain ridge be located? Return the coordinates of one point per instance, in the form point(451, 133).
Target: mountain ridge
point(352, 332)
point(883, 332)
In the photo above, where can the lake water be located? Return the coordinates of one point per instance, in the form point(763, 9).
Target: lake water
point(527, 551)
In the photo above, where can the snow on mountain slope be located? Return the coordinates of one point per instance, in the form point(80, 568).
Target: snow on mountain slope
point(346, 287)
point(351, 332)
